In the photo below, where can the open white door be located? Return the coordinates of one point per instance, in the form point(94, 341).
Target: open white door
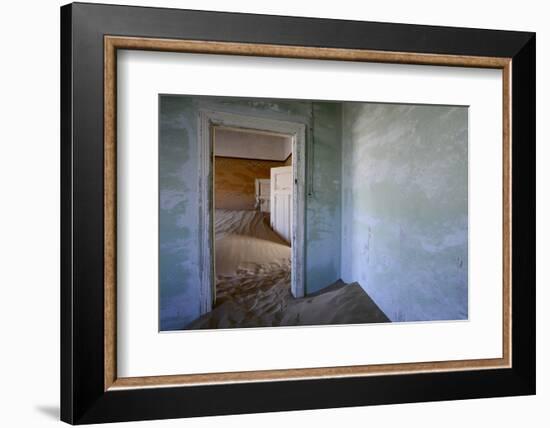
point(281, 201)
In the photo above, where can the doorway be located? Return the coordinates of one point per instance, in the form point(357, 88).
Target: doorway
point(240, 226)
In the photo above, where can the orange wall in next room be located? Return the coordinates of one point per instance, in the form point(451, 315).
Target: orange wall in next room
point(234, 179)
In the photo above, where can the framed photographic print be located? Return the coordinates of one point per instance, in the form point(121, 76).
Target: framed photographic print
point(265, 213)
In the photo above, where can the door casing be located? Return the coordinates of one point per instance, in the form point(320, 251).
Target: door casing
point(209, 120)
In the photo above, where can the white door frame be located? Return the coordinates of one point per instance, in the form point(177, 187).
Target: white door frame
point(209, 119)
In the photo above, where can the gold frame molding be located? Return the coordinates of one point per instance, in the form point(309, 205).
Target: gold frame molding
point(113, 43)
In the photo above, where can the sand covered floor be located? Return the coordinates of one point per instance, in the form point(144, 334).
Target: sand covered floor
point(253, 283)
point(244, 239)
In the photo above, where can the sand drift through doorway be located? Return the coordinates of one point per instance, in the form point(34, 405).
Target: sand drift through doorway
point(209, 122)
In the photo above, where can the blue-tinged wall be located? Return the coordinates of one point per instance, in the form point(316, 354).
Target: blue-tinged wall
point(178, 213)
point(178, 205)
point(405, 208)
point(324, 201)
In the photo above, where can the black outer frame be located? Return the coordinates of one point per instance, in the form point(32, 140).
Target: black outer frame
point(83, 399)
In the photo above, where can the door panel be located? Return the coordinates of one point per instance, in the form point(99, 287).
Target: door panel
point(281, 201)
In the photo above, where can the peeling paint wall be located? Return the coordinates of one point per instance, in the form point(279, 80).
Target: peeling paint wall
point(178, 213)
point(324, 202)
point(405, 208)
point(178, 180)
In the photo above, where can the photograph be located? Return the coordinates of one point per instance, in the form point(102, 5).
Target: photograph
point(291, 212)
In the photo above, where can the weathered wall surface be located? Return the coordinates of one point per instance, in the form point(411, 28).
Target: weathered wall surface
point(178, 213)
point(179, 280)
point(234, 181)
point(324, 202)
point(405, 208)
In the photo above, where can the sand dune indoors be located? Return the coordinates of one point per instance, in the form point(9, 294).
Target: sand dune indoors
point(245, 239)
point(253, 282)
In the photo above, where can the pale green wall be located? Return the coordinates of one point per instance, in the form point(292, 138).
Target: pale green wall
point(178, 213)
point(405, 208)
point(178, 206)
point(324, 201)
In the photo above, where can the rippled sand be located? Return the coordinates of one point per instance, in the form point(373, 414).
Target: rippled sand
point(253, 283)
